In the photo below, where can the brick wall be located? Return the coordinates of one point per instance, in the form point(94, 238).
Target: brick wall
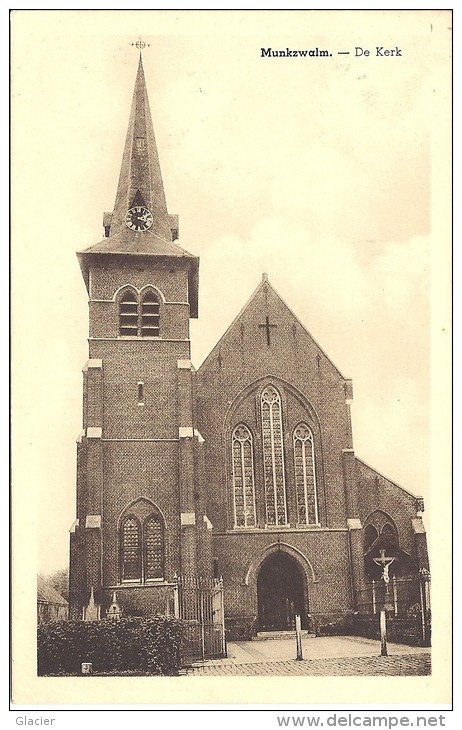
point(131, 471)
point(140, 453)
point(133, 450)
point(311, 389)
point(229, 386)
point(376, 492)
point(107, 278)
point(321, 555)
point(141, 600)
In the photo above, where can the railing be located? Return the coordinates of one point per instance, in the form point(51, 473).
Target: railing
point(402, 596)
point(406, 600)
point(199, 603)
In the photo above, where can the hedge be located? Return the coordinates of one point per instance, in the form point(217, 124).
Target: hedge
point(148, 645)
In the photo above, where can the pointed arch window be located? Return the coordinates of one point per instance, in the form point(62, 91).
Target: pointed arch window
point(150, 316)
point(139, 318)
point(154, 548)
point(142, 547)
point(305, 476)
point(131, 549)
point(243, 477)
point(370, 536)
point(389, 537)
point(273, 457)
point(128, 315)
point(381, 534)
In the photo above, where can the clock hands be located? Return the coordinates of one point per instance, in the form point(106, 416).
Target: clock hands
point(139, 218)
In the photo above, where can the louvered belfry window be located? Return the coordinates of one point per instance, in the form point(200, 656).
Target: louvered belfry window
point(131, 549)
point(128, 315)
point(305, 476)
point(139, 319)
point(273, 457)
point(150, 315)
point(243, 477)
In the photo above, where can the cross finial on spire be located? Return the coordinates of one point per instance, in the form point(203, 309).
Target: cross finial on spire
point(140, 180)
point(140, 44)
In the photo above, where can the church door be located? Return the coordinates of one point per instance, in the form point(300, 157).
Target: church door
point(280, 593)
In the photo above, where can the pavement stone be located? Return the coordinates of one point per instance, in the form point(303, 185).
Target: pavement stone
point(323, 656)
point(404, 665)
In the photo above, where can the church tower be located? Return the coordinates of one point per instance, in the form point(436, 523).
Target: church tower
point(138, 523)
point(300, 523)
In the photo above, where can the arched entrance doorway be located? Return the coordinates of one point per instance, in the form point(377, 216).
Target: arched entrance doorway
point(281, 594)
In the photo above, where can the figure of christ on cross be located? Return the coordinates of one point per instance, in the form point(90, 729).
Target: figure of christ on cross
point(384, 563)
point(267, 326)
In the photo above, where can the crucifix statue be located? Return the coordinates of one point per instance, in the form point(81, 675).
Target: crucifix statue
point(384, 563)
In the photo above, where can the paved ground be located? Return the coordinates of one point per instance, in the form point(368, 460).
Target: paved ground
point(324, 656)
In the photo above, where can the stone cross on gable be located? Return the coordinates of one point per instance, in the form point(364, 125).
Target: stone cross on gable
point(267, 326)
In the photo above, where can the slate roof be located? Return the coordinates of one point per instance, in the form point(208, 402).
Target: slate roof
point(140, 179)
point(140, 173)
point(130, 242)
point(47, 594)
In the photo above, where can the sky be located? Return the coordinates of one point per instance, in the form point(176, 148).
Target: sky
point(321, 172)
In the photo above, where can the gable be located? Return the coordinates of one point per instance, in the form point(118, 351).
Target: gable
point(268, 338)
point(256, 353)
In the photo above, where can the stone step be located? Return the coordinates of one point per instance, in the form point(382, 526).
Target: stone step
point(282, 635)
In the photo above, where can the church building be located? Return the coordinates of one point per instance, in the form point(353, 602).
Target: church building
point(242, 470)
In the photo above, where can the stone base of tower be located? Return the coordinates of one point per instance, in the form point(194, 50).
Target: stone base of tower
point(89, 601)
point(141, 600)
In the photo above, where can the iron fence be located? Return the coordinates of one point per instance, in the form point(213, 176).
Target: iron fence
point(406, 601)
point(199, 603)
point(401, 597)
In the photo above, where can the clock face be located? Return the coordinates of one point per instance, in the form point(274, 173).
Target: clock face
point(138, 218)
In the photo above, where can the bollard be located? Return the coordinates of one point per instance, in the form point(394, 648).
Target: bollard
point(383, 633)
point(298, 637)
point(87, 667)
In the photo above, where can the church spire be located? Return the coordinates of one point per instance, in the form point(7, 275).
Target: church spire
point(140, 179)
point(140, 227)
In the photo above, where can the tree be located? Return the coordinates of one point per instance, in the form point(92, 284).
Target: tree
point(59, 580)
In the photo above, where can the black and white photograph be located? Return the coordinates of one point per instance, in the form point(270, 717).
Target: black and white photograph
point(231, 332)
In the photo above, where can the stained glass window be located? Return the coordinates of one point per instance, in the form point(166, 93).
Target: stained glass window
point(142, 548)
point(305, 476)
point(131, 549)
point(243, 477)
point(273, 457)
point(154, 548)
